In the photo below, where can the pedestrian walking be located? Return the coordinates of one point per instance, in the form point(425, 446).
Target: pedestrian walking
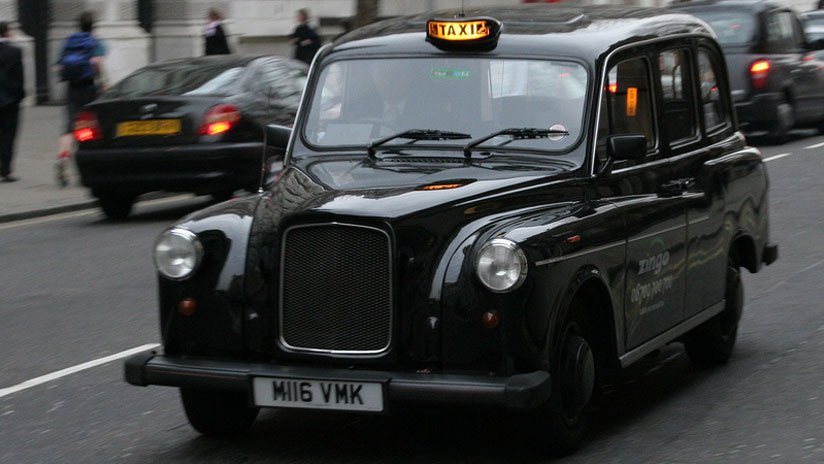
point(215, 36)
point(305, 39)
point(11, 94)
point(81, 67)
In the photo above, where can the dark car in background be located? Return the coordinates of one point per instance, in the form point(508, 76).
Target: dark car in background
point(192, 125)
point(814, 25)
point(777, 82)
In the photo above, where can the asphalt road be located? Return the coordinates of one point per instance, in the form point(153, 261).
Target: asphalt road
point(76, 289)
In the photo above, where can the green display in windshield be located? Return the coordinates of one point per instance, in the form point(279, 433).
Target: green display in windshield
point(443, 73)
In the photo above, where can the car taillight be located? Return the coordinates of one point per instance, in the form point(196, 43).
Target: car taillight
point(87, 127)
point(759, 70)
point(219, 119)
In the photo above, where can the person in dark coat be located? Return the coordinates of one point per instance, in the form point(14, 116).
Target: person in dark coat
point(215, 36)
point(11, 94)
point(305, 39)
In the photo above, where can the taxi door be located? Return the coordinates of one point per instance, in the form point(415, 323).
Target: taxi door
point(655, 229)
point(701, 167)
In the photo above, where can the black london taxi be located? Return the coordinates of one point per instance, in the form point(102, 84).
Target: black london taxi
point(499, 207)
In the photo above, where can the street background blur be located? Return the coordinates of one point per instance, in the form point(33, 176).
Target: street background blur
point(139, 32)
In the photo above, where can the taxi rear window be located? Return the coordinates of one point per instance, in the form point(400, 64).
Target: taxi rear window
point(357, 101)
point(732, 27)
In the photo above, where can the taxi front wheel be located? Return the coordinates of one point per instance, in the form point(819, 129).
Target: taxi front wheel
point(218, 413)
point(711, 343)
point(561, 422)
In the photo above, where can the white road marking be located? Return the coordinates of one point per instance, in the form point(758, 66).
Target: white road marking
point(815, 145)
point(74, 369)
point(772, 158)
point(87, 212)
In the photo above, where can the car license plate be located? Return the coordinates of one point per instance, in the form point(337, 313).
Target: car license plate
point(318, 394)
point(150, 127)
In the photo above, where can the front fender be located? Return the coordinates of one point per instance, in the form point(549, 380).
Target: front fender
point(217, 287)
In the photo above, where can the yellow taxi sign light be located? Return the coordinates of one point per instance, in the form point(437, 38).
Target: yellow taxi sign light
point(458, 30)
point(473, 33)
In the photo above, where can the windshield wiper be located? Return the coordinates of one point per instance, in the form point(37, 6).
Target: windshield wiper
point(416, 134)
point(515, 133)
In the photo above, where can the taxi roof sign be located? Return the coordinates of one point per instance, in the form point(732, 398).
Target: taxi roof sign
point(463, 33)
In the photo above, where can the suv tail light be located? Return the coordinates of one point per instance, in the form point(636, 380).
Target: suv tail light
point(759, 70)
point(219, 119)
point(87, 127)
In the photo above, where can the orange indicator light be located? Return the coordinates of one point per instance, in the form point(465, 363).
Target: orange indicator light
point(440, 186)
point(573, 239)
point(491, 319)
point(760, 66)
point(187, 306)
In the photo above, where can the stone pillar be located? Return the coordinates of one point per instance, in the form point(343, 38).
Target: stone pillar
point(9, 13)
point(127, 45)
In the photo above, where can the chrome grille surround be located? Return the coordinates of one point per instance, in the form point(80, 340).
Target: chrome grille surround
point(327, 270)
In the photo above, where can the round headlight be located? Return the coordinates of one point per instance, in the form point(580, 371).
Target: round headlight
point(177, 253)
point(501, 265)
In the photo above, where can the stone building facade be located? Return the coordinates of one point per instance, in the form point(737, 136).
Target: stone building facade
point(255, 26)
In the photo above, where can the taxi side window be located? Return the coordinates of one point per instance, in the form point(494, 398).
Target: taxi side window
point(626, 107)
point(713, 107)
point(679, 110)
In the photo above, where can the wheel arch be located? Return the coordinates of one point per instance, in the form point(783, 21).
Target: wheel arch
point(589, 289)
point(744, 250)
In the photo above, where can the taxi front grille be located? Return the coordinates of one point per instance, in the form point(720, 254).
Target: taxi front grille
point(336, 291)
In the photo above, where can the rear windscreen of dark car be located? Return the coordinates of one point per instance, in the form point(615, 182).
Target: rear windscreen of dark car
point(178, 80)
point(814, 28)
point(732, 27)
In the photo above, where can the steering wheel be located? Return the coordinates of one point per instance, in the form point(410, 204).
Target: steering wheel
point(377, 124)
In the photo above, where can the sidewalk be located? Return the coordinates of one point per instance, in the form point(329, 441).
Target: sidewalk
point(37, 192)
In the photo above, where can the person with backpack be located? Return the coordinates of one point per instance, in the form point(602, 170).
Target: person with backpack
point(81, 67)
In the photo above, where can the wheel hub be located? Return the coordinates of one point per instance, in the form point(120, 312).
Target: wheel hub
point(577, 375)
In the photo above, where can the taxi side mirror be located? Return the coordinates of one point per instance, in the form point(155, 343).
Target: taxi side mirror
point(277, 137)
point(627, 147)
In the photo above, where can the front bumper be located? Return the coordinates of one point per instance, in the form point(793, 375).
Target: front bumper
point(521, 391)
point(197, 168)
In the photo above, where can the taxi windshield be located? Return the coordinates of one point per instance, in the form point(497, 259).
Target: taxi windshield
point(360, 101)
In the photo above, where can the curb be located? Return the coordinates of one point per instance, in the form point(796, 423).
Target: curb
point(47, 211)
point(79, 206)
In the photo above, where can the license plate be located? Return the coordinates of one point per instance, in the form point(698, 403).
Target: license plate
point(150, 127)
point(318, 394)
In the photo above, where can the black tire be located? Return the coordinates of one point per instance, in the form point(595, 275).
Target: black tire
point(561, 422)
point(218, 413)
point(783, 124)
point(116, 206)
point(712, 343)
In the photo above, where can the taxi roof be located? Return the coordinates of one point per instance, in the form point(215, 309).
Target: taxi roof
point(535, 29)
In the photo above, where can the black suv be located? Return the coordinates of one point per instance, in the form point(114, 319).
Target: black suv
point(499, 208)
point(777, 82)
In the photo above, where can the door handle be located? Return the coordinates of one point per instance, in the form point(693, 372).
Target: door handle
point(677, 187)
